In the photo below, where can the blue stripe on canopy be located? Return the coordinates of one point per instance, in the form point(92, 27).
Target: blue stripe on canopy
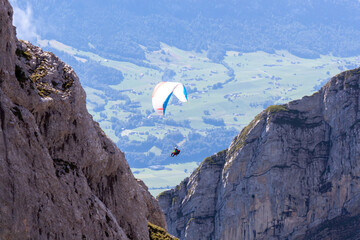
point(185, 93)
point(166, 102)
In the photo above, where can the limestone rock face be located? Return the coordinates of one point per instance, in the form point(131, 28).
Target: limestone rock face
point(190, 207)
point(7, 41)
point(61, 177)
point(292, 173)
point(153, 212)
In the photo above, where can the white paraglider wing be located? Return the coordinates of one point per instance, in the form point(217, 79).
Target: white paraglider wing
point(180, 92)
point(162, 93)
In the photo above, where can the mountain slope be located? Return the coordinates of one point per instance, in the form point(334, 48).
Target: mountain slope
point(292, 173)
point(61, 176)
point(305, 28)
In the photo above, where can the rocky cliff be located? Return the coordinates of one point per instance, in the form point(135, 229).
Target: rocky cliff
point(60, 175)
point(292, 173)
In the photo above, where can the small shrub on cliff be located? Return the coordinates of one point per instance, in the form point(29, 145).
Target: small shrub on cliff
point(66, 85)
point(158, 233)
point(241, 138)
point(276, 108)
point(22, 53)
point(161, 194)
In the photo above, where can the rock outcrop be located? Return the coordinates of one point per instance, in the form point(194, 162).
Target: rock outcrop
point(61, 177)
point(190, 208)
point(292, 173)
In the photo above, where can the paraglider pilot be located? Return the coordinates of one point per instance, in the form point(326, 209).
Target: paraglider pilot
point(176, 152)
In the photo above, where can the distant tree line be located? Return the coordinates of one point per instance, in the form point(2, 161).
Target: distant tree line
point(118, 28)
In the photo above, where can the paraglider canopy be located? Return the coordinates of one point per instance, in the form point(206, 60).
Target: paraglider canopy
point(162, 93)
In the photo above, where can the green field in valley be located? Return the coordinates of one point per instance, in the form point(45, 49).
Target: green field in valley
point(224, 95)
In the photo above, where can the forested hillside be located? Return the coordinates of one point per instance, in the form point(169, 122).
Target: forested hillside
point(305, 28)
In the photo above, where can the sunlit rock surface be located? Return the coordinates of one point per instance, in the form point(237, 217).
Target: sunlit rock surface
point(292, 173)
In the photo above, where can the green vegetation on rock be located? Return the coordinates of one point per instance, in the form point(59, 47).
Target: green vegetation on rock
point(191, 219)
point(209, 160)
point(240, 139)
point(39, 73)
point(43, 91)
point(276, 108)
point(161, 194)
point(158, 233)
point(24, 54)
point(222, 152)
point(68, 84)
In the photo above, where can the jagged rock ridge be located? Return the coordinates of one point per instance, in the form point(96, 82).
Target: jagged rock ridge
point(292, 173)
point(61, 177)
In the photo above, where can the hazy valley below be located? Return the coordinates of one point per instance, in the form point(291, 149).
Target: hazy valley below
point(233, 66)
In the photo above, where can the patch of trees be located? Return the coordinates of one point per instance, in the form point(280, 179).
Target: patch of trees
point(217, 86)
point(213, 121)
